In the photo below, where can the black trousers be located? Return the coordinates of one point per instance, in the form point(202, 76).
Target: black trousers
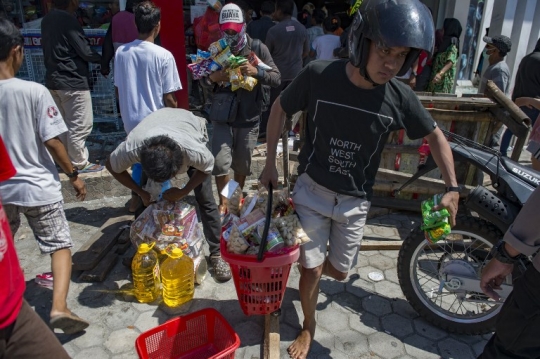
point(517, 332)
point(209, 212)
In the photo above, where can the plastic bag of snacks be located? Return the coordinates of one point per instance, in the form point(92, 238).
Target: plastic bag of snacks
point(435, 223)
point(167, 223)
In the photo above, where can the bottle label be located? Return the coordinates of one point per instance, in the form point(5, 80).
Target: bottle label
point(156, 273)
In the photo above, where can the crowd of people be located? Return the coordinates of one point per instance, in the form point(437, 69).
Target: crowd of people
point(44, 130)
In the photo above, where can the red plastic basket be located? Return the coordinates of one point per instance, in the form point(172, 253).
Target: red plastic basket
point(204, 334)
point(260, 286)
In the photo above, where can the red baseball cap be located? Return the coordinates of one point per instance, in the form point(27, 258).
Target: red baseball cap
point(231, 17)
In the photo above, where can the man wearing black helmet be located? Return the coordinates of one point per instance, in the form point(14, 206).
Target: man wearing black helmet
point(352, 108)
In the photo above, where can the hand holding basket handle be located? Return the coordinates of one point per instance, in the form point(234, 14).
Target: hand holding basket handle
point(264, 238)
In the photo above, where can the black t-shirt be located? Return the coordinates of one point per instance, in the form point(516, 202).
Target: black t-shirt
point(66, 52)
point(347, 127)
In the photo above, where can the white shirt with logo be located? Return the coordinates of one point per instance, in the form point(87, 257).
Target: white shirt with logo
point(28, 118)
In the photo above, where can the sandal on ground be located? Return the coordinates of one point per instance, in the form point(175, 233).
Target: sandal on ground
point(91, 167)
point(222, 271)
point(69, 323)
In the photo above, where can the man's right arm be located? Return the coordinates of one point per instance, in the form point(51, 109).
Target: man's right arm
point(274, 128)
point(117, 164)
point(107, 52)
point(59, 154)
point(77, 39)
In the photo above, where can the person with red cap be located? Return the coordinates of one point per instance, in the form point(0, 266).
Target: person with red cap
point(233, 142)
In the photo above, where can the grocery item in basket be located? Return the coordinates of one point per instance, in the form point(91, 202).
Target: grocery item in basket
point(274, 241)
point(291, 230)
point(233, 192)
point(237, 243)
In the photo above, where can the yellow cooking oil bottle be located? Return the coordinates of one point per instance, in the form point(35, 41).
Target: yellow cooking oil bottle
point(145, 273)
point(178, 278)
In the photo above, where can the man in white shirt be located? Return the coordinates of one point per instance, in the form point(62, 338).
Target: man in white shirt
point(145, 75)
point(31, 123)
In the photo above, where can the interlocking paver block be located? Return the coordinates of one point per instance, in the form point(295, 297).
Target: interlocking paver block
point(451, 348)
point(331, 286)
point(121, 341)
point(359, 287)
point(253, 332)
point(385, 232)
point(122, 316)
point(391, 275)
point(351, 343)
point(385, 345)
point(347, 302)
point(93, 336)
point(397, 325)
point(333, 320)
point(419, 347)
point(150, 319)
point(427, 330)
point(365, 323)
point(382, 262)
point(403, 308)
point(377, 305)
point(388, 289)
point(92, 353)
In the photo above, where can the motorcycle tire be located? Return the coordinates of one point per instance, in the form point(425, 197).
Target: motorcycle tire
point(466, 225)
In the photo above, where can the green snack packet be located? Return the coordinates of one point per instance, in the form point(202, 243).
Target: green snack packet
point(236, 61)
point(433, 235)
point(430, 218)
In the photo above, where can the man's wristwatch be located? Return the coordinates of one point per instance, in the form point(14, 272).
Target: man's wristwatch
point(501, 254)
point(453, 189)
point(73, 174)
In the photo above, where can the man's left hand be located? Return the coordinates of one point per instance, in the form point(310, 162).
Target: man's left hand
point(248, 70)
point(493, 275)
point(174, 194)
point(450, 201)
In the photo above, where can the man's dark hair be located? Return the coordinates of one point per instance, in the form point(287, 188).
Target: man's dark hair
point(161, 158)
point(147, 16)
point(268, 8)
point(319, 16)
point(286, 6)
point(61, 4)
point(10, 37)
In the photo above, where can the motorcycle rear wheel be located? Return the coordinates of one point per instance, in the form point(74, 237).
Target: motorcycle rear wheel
point(420, 265)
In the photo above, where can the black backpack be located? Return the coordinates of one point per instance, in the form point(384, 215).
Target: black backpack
point(265, 89)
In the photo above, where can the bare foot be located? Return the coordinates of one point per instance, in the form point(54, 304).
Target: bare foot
point(299, 349)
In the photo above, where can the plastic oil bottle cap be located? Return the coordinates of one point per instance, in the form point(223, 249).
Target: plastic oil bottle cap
point(176, 253)
point(145, 247)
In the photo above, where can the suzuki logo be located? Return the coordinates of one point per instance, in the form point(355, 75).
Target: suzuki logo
point(527, 176)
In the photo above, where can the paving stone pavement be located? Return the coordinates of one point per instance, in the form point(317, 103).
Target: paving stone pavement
point(357, 318)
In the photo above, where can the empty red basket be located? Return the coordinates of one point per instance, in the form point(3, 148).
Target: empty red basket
point(260, 286)
point(204, 334)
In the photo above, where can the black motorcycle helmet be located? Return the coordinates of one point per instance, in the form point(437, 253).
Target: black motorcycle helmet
point(393, 23)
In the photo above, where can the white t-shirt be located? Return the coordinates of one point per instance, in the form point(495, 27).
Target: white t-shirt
point(28, 118)
point(143, 73)
point(324, 46)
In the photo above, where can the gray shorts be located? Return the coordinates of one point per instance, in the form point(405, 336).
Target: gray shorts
point(232, 148)
point(48, 223)
point(329, 218)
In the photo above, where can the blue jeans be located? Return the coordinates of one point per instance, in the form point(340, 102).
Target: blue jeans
point(532, 113)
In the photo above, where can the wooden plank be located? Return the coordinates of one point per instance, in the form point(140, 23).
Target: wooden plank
point(101, 243)
point(100, 271)
point(374, 245)
point(271, 336)
point(461, 116)
point(396, 203)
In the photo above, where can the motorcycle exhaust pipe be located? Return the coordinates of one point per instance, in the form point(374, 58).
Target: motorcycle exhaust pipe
point(491, 207)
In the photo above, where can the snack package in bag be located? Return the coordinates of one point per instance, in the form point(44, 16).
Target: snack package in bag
point(291, 230)
point(435, 223)
point(164, 222)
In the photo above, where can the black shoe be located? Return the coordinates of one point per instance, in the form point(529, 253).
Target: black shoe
point(222, 271)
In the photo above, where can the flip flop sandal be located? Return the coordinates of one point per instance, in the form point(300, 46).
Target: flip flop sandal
point(92, 167)
point(222, 271)
point(69, 323)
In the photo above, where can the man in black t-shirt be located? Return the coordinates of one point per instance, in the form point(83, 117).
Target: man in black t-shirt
point(352, 108)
